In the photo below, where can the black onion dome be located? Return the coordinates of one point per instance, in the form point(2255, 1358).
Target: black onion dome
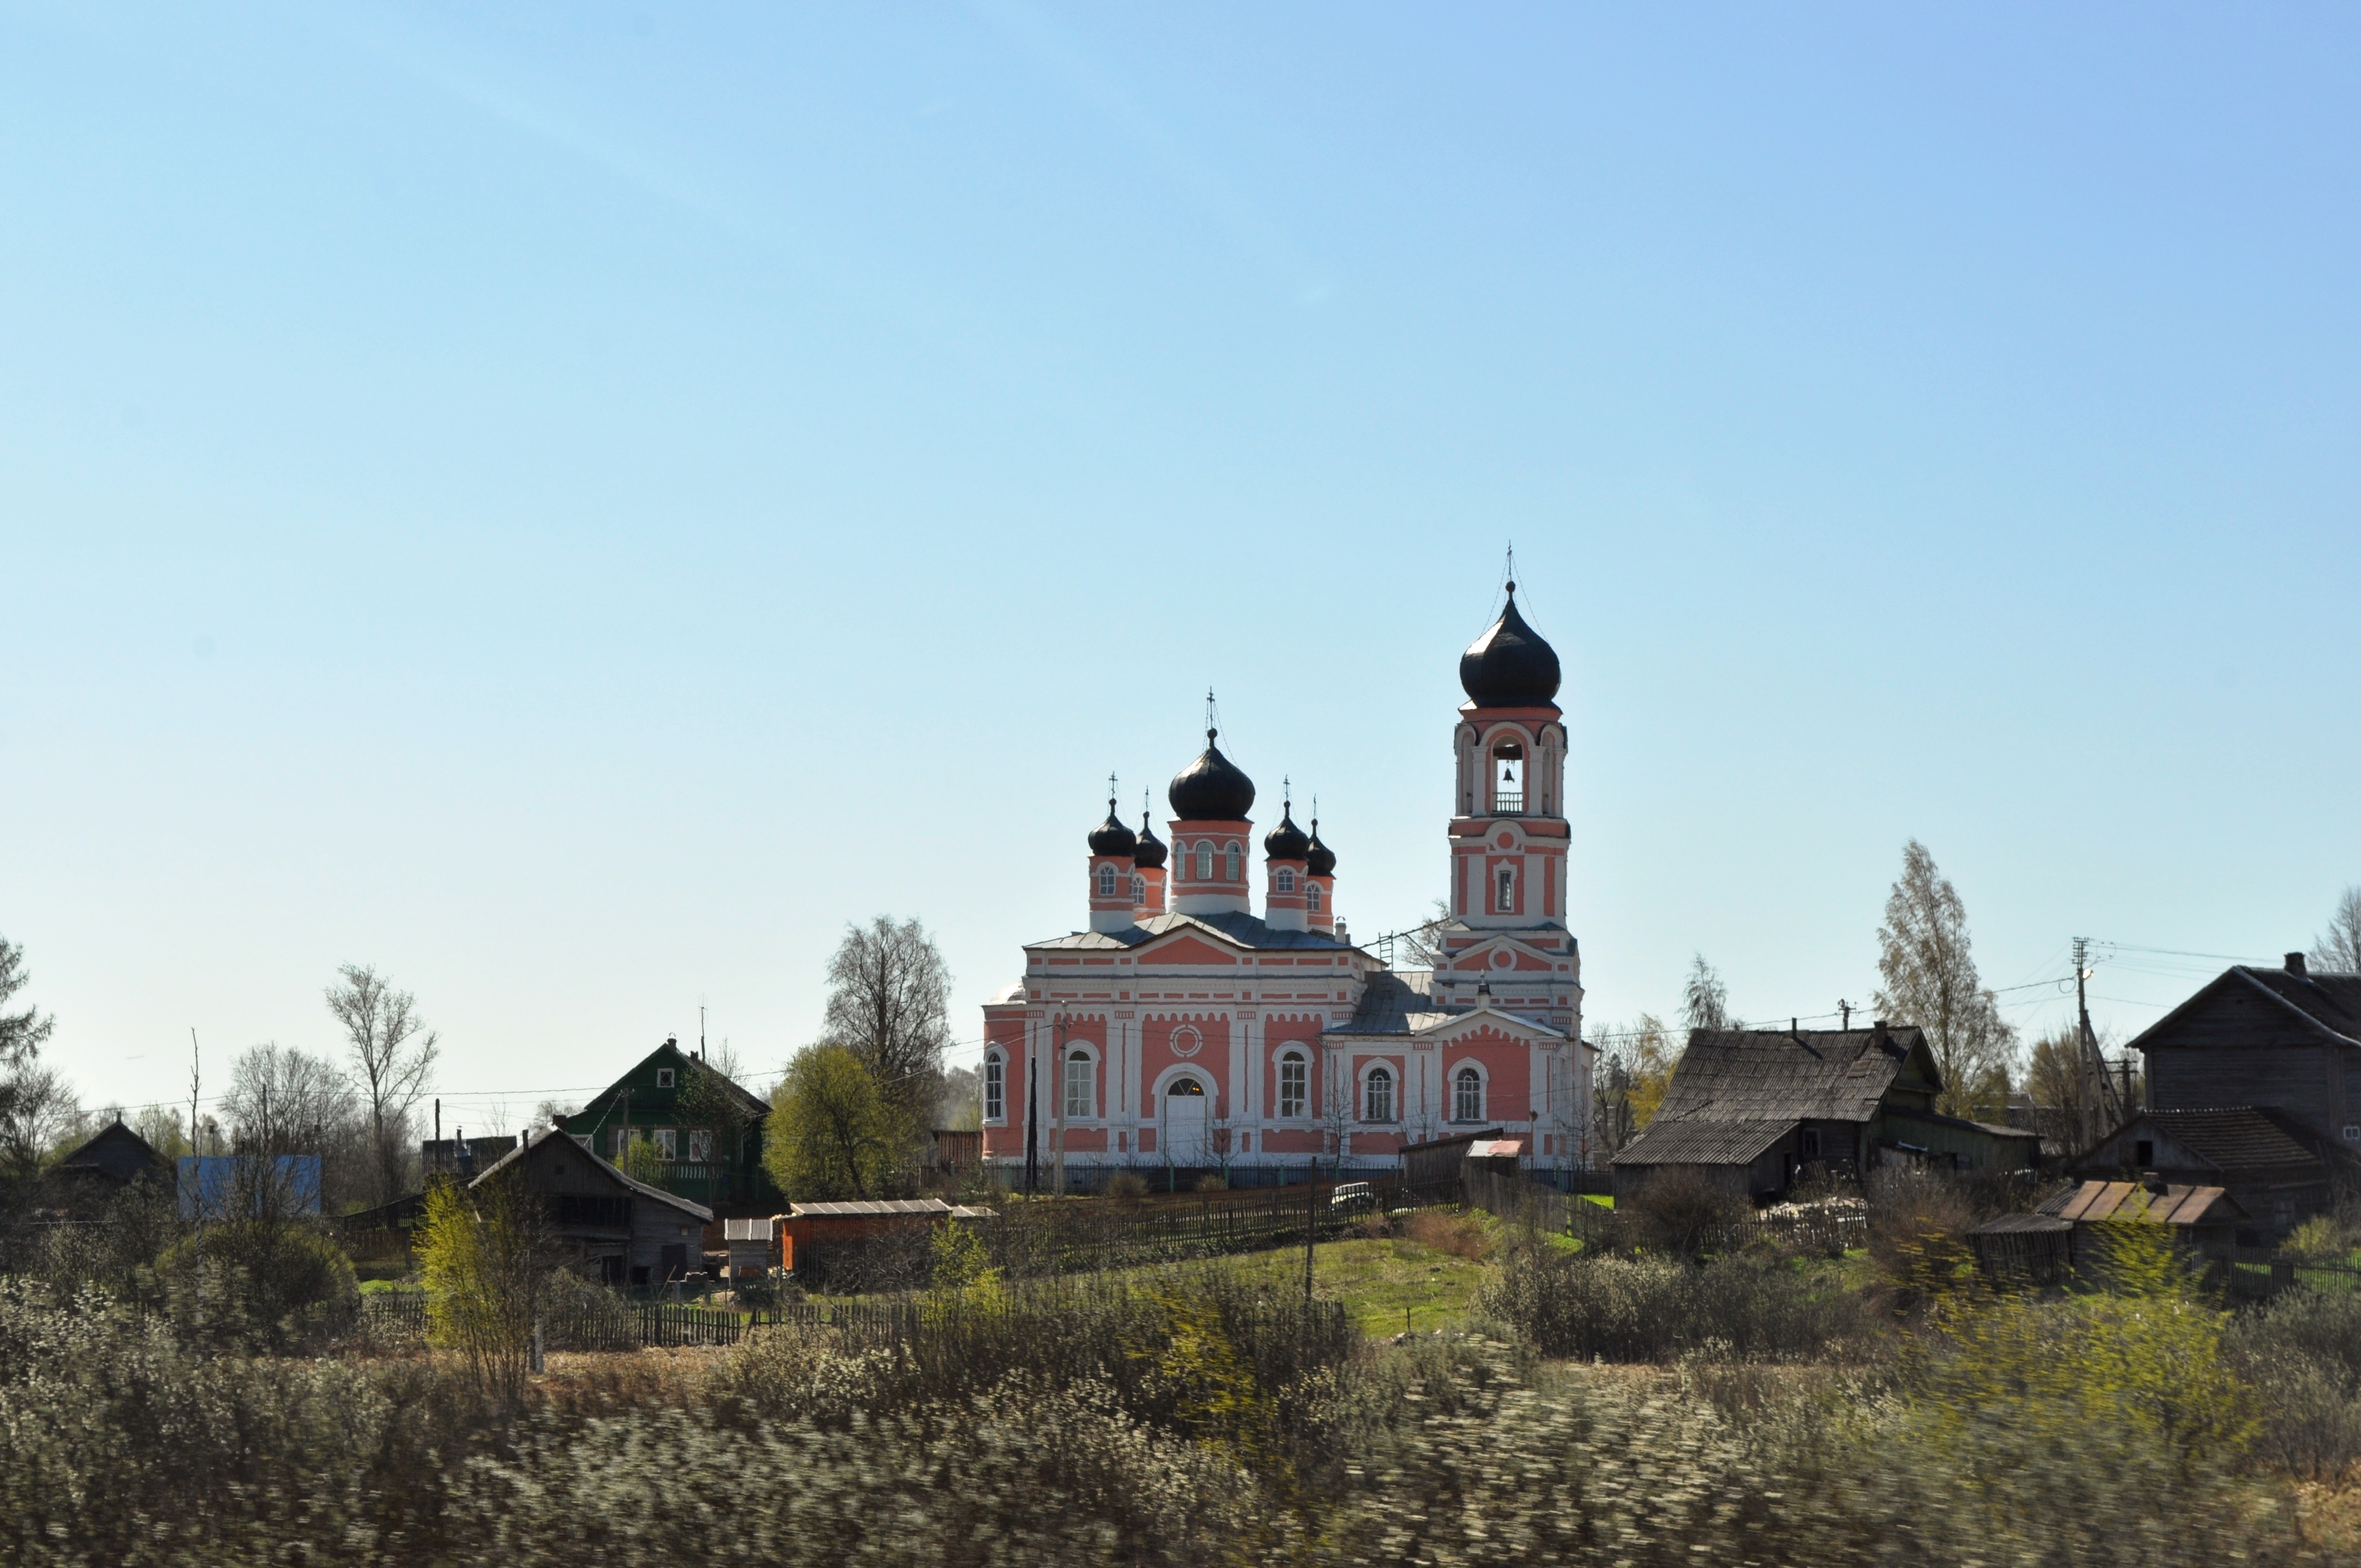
point(1318, 859)
point(1509, 665)
point(1111, 837)
point(1211, 789)
point(1286, 841)
point(1149, 856)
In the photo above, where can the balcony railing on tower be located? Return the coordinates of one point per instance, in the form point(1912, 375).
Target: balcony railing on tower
point(1507, 802)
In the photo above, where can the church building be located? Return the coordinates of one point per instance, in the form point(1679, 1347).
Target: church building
point(1182, 1032)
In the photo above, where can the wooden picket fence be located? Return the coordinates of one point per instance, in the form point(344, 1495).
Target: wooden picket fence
point(395, 1318)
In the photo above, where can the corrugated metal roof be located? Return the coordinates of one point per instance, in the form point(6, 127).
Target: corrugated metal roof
point(1496, 1149)
point(748, 1230)
point(1702, 1141)
point(874, 1206)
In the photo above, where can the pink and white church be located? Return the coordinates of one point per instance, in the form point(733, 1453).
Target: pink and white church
point(1182, 1031)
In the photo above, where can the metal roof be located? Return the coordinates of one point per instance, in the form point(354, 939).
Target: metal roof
point(1704, 1141)
point(1496, 1149)
point(1233, 926)
point(2097, 1202)
point(871, 1206)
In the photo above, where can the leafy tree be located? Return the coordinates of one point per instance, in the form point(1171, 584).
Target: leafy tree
point(393, 1060)
point(889, 1005)
point(1635, 1067)
point(488, 1267)
point(959, 1106)
point(1928, 977)
point(2338, 949)
point(642, 1161)
point(831, 1133)
point(709, 1097)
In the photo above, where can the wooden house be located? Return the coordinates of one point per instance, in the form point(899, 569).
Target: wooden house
point(1439, 1162)
point(81, 1184)
point(704, 1129)
point(615, 1229)
point(2278, 1168)
point(2285, 1039)
point(1751, 1109)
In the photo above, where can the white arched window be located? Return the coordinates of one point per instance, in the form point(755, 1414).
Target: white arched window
point(995, 1087)
point(1205, 863)
point(1311, 895)
point(1139, 890)
point(1283, 882)
point(1467, 1095)
point(1378, 1095)
point(1107, 881)
point(1082, 1085)
point(1294, 1083)
point(1504, 891)
point(1232, 874)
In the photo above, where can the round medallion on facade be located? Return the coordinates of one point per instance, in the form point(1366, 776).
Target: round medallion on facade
point(1186, 1041)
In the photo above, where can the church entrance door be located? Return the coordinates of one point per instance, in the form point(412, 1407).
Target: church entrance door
point(1187, 1113)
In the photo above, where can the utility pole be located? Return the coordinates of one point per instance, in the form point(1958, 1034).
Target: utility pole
point(197, 1173)
point(2107, 1102)
point(1032, 1121)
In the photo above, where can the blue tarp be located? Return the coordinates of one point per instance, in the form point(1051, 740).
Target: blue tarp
point(288, 1182)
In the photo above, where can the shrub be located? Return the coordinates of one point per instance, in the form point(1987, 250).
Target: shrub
point(1126, 1184)
point(2301, 1352)
point(2321, 1239)
point(1680, 1210)
point(1461, 1233)
point(270, 1284)
point(1750, 1306)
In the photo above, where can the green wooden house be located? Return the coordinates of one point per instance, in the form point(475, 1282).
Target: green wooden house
point(701, 1132)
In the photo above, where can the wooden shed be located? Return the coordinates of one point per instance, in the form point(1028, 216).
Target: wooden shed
point(620, 1230)
point(2061, 1238)
point(2278, 1167)
point(1438, 1161)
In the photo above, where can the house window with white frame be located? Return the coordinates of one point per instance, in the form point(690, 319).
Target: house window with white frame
point(1283, 882)
point(668, 1142)
point(1082, 1085)
point(700, 1143)
point(1467, 1095)
point(1378, 1095)
point(1294, 1083)
point(995, 1086)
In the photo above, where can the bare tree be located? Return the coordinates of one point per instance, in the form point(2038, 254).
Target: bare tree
point(2338, 949)
point(1928, 977)
point(392, 1056)
point(1705, 998)
point(286, 1101)
point(889, 1005)
point(1423, 943)
point(40, 1119)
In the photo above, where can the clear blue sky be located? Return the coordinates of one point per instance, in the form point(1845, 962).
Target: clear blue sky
point(573, 504)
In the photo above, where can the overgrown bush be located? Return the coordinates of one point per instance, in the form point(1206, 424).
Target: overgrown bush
point(267, 1284)
point(2301, 1354)
point(1680, 1210)
point(1756, 1305)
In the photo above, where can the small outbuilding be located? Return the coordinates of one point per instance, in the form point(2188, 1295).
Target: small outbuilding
point(81, 1186)
point(2278, 1167)
point(2060, 1237)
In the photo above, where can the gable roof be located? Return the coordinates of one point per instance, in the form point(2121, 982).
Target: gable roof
point(2242, 1137)
point(2329, 1003)
point(1238, 929)
point(116, 1153)
point(1398, 1002)
point(1787, 1074)
point(535, 1140)
point(754, 1104)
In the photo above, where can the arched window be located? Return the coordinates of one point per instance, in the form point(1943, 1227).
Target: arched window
point(1082, 1085)
point(1508, 779)
point(1467, 1095)
point(1378, 1096)
point(1294, 1083)
point(995, 1086)
point(1283, 882)
point(1139, 890)
point(1504, 891)
point(1311, 895)
point(1205, 863)
point(1231, 875)
point(1107, 881)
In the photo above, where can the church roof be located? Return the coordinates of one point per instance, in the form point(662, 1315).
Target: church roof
point(1239, 929)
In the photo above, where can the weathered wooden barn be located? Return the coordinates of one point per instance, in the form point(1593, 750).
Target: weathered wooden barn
point(618, 1230)
point(2277, 1168)
point(81, 1184)
point(1751, 1109)
point(2283, 1037)
point(2066, 1235)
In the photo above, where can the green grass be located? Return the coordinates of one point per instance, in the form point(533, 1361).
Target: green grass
point(1385, 1285)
